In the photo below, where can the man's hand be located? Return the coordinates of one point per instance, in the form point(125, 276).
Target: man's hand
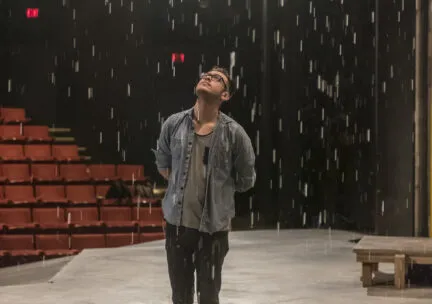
point(165, 173)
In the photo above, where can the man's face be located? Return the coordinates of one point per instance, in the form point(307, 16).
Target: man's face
point(213, 83)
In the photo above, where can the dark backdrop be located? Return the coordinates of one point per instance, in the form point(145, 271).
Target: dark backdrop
point(338, 104)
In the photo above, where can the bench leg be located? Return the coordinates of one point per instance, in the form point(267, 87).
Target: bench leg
point(400, 270)
point(374, 269)
point(367, 269)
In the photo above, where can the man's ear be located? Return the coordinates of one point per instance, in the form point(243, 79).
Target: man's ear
point(225, 96)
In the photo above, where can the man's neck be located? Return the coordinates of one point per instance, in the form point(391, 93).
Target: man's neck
point(206, 112)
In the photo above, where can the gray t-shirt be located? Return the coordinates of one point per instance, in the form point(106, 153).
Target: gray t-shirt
point(195, 188)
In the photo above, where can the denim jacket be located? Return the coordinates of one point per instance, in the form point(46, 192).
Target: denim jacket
point(231, 168)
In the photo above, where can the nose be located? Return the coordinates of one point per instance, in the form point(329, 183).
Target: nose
point(206, 77)
point(205, 81)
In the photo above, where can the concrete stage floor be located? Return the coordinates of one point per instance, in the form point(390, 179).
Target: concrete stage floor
point(262, 267)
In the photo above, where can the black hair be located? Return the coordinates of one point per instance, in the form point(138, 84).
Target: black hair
point(230, 85)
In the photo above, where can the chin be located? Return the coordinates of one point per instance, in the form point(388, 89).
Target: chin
point(203, 91)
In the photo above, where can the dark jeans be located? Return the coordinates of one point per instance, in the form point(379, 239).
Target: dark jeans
point(189, 250)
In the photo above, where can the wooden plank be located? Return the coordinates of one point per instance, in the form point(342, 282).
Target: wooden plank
point(370, 258)
point(63, 139)
point(400, 270)
point(394, 245)
point(420, 260)
point(375, 258)
point(366, 277)
point(59, 130)
point(429, 121)
point(420, 114)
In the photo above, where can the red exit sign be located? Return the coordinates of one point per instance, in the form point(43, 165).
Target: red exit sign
point(32, 13)
point(177, 57)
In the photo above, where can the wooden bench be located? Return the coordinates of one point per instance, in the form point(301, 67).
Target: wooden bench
point(402, 251)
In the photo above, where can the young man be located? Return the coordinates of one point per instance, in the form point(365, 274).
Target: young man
point(205, 156)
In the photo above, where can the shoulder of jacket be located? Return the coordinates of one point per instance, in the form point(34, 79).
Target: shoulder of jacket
point(175, 118)
point(232, 124)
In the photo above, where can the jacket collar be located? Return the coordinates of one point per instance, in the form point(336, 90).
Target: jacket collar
point(222, 117)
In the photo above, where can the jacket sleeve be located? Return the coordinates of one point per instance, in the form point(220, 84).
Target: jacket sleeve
point(244, 161)
point(163, 151)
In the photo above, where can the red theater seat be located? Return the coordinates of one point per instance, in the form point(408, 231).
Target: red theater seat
point(148, 216)
point(11, 133)
point(74, 173)
point(130, 172)
point(3, 200)
point(117, 216)
point(18, 245)
point(19, 194)
point(38, 152)
point(81, 194)
point(13, 115)
point(153, 236)
point(66, 152)
point(15, 218)
point(2, 177)
point(84, 241)
point(83, 216)
point(54, 244)
point(50, 218)
point(12, 152)
point(37, 133)
point(102, 172)
point(51, 194)
point(121, 239)
point(101, 191)
point(16, 173)
point(45, 172)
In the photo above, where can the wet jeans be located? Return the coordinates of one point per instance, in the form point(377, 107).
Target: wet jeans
point(189, 250)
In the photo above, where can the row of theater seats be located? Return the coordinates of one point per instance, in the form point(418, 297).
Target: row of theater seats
point(13, 116)
point(39, 153)
point(12, 219)
point(65, 244)
point(52, 203)
point(74, 194)
point(25, 173)
point(25, 133)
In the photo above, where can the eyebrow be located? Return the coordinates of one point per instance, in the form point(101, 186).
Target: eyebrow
point(226, 82)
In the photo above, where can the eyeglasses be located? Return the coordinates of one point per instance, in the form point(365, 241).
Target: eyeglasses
point(214, 77)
